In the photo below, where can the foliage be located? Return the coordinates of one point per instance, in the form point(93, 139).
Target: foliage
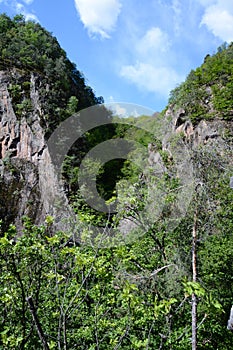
point(27, 47)
point(131, 296)
point(207, 91)
point(135, 295)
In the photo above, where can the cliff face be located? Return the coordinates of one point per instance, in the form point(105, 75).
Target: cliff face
point(28, 181)
point(18, 138)
point(209, 142)
point(204, 132)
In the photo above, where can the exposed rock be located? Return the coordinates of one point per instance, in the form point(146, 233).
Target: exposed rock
point(29, 185)
point(28, 182)
point(155, 160)
point(204, 132)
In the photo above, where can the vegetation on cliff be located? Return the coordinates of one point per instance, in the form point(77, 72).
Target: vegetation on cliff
point(28, 47)
point(63, 292)
point(207, 92)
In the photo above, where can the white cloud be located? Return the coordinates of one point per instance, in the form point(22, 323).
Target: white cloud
point(28, 2)
point(99, 16)
point(119, 110)
point(151, 78)
point(152, 70)
point(153, 41)
point(125, 110)
point(177, 9)
point(207, 2)
point(218, 18)
point(20, 8)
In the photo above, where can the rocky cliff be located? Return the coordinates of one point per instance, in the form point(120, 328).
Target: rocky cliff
point(29, 185)
point(28, 181)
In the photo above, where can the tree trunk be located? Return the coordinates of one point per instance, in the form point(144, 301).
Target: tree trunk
point(37, 323)
point(194, 271)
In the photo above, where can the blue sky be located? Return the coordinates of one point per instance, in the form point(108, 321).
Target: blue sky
point(132, 50)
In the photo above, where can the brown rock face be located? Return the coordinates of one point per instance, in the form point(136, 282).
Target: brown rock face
point(28, 183)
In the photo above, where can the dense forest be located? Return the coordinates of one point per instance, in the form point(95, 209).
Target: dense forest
point(169, 284)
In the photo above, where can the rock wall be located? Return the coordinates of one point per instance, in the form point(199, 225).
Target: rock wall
point(203, 133)
point(28, 182)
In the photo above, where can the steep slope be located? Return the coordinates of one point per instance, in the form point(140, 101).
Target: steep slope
point(39, 87)
point(133, 296)
point(207, 91)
